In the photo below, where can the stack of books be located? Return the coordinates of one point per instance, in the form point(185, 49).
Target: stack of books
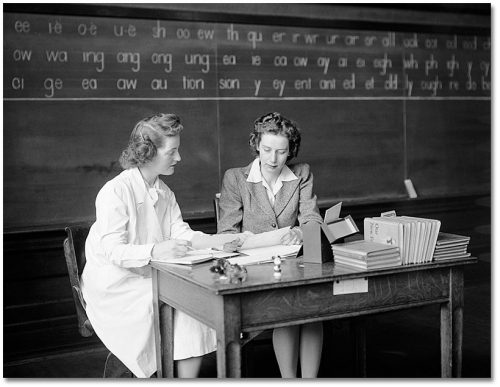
point(451, 246)
point(366, 255)
point(415, 237)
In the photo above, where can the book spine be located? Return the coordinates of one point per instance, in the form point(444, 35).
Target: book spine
point(359, 257)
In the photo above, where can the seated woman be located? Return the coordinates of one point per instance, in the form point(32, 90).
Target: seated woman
point(269, 194)
point(138, 219)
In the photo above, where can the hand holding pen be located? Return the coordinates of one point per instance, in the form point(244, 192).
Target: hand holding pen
point(172, 248)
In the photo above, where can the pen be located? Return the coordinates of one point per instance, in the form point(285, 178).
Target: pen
point(269, 260)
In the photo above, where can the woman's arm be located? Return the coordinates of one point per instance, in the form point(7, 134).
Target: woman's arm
point(308, 207)
point(112, 218)
point(230, 204)
point(217, 241)
point(199, 240)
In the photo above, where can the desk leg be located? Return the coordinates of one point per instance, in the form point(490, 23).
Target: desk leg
point(228, 338)
point(167, 334)
point(156, 325)
point(163, 330)
point(452, 327)
point(358, 338)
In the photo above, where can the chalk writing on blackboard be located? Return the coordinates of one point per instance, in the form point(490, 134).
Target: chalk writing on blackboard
point(102, 58)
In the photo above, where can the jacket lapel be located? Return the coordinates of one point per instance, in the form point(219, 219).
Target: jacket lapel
point(258, 193)
point(284, 195)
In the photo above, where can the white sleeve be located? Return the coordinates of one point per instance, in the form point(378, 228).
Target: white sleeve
point(112, 217)
point(178, 228)
point(181, 230)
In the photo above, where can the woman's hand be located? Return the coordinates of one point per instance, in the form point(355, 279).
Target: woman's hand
point(232, 246)
point(292, 237)
point(173, 248)
point(235, 245)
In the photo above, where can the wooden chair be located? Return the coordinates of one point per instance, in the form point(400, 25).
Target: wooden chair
point(74, 252)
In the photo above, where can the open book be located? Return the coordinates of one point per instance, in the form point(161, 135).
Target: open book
point(197, 256)
point(264, 254)
point(257, 248)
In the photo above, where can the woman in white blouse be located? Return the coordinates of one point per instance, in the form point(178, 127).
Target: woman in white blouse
point(138, 219)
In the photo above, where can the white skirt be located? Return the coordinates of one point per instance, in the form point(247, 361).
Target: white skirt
point(122, 317)
point(191, 337)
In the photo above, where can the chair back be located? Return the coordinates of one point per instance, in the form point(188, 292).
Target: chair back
point(216, 207)
point(74, 252)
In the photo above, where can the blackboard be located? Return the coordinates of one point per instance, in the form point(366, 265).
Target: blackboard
point(375, 106)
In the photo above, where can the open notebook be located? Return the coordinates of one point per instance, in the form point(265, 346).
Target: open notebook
point(258, 248)
point(264, 254)
point(197, 256)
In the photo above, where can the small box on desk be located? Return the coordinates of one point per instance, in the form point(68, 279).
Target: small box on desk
point(318, 238)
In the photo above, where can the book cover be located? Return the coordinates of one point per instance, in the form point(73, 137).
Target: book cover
point(340, 228)
point(383, 258)
point(453, 256)
point(451, 246)
point(447, 238)
point(382, 230)
point(364, 248)
point(459, 249)
point(390, 231)
point(380, 256)
point(450, 254)
point(346, 261)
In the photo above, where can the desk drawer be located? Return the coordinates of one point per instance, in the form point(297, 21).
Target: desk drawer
point(316, 301)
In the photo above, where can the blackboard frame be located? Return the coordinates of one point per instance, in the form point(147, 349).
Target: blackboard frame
point(472, 26)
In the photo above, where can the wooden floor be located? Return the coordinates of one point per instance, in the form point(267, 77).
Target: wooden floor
point(399, 345)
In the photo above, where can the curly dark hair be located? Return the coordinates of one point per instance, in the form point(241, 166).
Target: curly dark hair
point(149, 135)
point(275, 123)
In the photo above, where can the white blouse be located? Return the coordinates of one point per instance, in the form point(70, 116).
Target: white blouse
point(255, 176)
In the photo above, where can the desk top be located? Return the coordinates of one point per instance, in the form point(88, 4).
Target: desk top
point(294, 273)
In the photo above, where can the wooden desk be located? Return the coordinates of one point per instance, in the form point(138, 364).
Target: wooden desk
point(304, 294)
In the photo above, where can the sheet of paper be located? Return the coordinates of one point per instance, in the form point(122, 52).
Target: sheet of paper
point(265, 254)
point(357, 285)
point(269, 238)
point(333, 213)
point(209, 253)
point(197, 256)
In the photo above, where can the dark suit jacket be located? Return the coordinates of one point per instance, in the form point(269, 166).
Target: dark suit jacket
point(244, 206)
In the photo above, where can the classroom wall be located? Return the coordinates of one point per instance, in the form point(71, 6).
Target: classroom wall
point(366, 125)
point(381, 95)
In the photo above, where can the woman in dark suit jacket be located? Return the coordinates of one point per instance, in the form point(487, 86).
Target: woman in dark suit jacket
point(269, 194)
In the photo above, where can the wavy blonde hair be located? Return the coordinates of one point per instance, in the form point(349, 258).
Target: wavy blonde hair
point(149, 135)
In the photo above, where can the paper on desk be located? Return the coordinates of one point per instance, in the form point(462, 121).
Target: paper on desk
point(264, 254)
point(357, 285)
point(333, 213)
point(269, 238)
point(196, 256)
point(209, 253)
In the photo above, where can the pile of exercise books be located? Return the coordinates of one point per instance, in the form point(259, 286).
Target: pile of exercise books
point(366, 255)
point(451, 246)
point(415, 237)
